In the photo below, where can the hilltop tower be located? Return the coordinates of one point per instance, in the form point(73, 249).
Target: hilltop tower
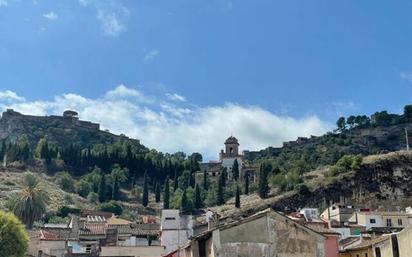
point(230, 154)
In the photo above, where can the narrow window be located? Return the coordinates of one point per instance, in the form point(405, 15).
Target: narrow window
point(378, 252)
point(388, 222)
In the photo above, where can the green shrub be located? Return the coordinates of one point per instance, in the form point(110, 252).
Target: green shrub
point(112, 206)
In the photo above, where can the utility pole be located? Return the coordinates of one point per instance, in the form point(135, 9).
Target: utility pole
point(407, 139)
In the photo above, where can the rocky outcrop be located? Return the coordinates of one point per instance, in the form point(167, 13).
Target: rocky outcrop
point(383, 181)
point(62, 130)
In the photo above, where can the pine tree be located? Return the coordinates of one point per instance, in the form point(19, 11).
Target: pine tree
point(102, 188)
point(197, 198)
point(205, 184)
point(184, 204)
point(145, 198)
point(220, 190)
point(166, 197)
point(247, 184)
point(237, 199)
point(157, 192)
point(235, 170)
point(263, 183)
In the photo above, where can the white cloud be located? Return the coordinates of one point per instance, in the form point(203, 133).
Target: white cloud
point(172, 128)
point(110, 23)
point(10, 96)
point(151, 55)
point(407, 76)
point(176, 97)
point(123, 91)
point(51, 16)
point(3, 3)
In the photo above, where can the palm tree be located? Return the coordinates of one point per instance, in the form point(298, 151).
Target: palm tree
point(117, 176)
point(31, 202)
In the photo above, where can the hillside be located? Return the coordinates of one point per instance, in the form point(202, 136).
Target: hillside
point(383, 181)
point(327, 149)
point(59, 130)
point(11, 181)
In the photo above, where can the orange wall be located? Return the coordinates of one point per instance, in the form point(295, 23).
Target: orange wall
point(331, 246)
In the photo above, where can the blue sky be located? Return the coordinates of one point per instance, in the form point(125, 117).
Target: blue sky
point(177, 63)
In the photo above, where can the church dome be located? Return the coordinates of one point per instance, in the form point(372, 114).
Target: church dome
point(231, 140)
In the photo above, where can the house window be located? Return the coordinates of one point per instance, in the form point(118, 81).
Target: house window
point(357, 255)
point(400, 222)
point(366, 254)
point(388, 222)
point(372, 221)
point(170, 218)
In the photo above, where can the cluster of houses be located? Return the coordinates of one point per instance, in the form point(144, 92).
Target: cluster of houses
point(339, 231)
point(96, 233)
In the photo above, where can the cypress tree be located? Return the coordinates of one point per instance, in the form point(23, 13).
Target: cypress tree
point(176, 181)
point(235, 170)
point(263, 183)
point(205, 185)
point(166, 197)
point(115, 189)
point(157, 192)
point(247, 184)
point(145, 198)
point(237, 200)
point(197, 198)
point(184, 204)
point(102, 188)
point(224, 176)
point(220, 190)
point(192, 181)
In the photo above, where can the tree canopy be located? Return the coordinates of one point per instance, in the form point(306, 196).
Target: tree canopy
point(13, 238)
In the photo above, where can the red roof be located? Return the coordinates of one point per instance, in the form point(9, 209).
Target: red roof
point(48, 236)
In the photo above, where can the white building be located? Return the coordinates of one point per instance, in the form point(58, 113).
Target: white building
point(310, 213)
point(176, 229)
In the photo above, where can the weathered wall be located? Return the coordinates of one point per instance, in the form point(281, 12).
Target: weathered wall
point(271, 236)
point(255, 231)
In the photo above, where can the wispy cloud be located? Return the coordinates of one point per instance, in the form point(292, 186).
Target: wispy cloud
point(110, 14)
point(51, 15)
point(110, 23)
point(407, 76)
point(176, 97)
point(188, 129)
point(3, 3)
point(151, 55)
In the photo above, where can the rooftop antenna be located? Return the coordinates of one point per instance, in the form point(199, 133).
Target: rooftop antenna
point(407, 140)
